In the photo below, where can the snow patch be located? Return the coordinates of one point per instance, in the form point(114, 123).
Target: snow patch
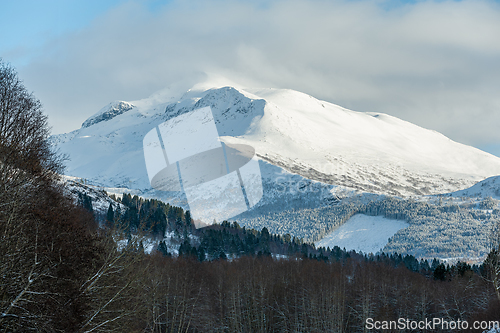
point(368, 234)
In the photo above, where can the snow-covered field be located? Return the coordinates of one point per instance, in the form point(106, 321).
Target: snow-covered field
point(363, 233)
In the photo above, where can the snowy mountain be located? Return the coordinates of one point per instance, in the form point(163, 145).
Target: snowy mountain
point(301, 142)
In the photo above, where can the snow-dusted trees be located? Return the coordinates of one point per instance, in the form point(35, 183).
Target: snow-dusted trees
point(488, 203)
point(446, 230)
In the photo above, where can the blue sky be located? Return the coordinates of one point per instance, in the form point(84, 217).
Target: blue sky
point(29, 24)
point(434, 63)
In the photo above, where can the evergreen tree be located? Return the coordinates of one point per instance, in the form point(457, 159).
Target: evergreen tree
point(110, 216)
point(201, 253)
point(187, 217)
point(85, 201)
point(222, 255)
point(162, 248)
point(440, 272)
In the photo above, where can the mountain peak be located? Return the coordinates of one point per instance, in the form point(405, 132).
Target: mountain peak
point(108, 112)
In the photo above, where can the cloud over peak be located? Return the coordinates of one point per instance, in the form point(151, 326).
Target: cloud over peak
point(434, 63)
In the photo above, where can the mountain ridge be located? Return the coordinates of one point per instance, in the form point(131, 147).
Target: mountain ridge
point(318, 140)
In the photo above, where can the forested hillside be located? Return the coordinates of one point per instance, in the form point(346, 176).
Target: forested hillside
point(231, 279)
point(442, 229)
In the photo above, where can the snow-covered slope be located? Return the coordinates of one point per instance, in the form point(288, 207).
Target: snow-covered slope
point(290, 131)
point(489, 187)
point(372, 152)
point(99, 198)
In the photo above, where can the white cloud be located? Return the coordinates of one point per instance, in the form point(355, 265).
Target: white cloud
point(432, 63)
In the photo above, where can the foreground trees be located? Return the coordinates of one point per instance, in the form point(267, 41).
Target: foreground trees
point(25, 153)
point(58, 272)
point(46, 243)
point(260, 294)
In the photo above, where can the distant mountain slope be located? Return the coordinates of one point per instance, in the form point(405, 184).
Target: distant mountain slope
point(489, 187)
point(293, 133)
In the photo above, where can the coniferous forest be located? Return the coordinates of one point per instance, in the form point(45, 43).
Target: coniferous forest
point(66, 268)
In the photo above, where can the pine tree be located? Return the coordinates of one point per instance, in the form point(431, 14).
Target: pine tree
point(110, 216)
point(187, 217)
point(201, 253)
point(440, 272)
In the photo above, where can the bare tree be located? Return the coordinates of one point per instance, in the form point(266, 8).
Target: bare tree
point(58, 271)
point(46, 242)
point(24, 130)
point(492, 262)
point(114, 289)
